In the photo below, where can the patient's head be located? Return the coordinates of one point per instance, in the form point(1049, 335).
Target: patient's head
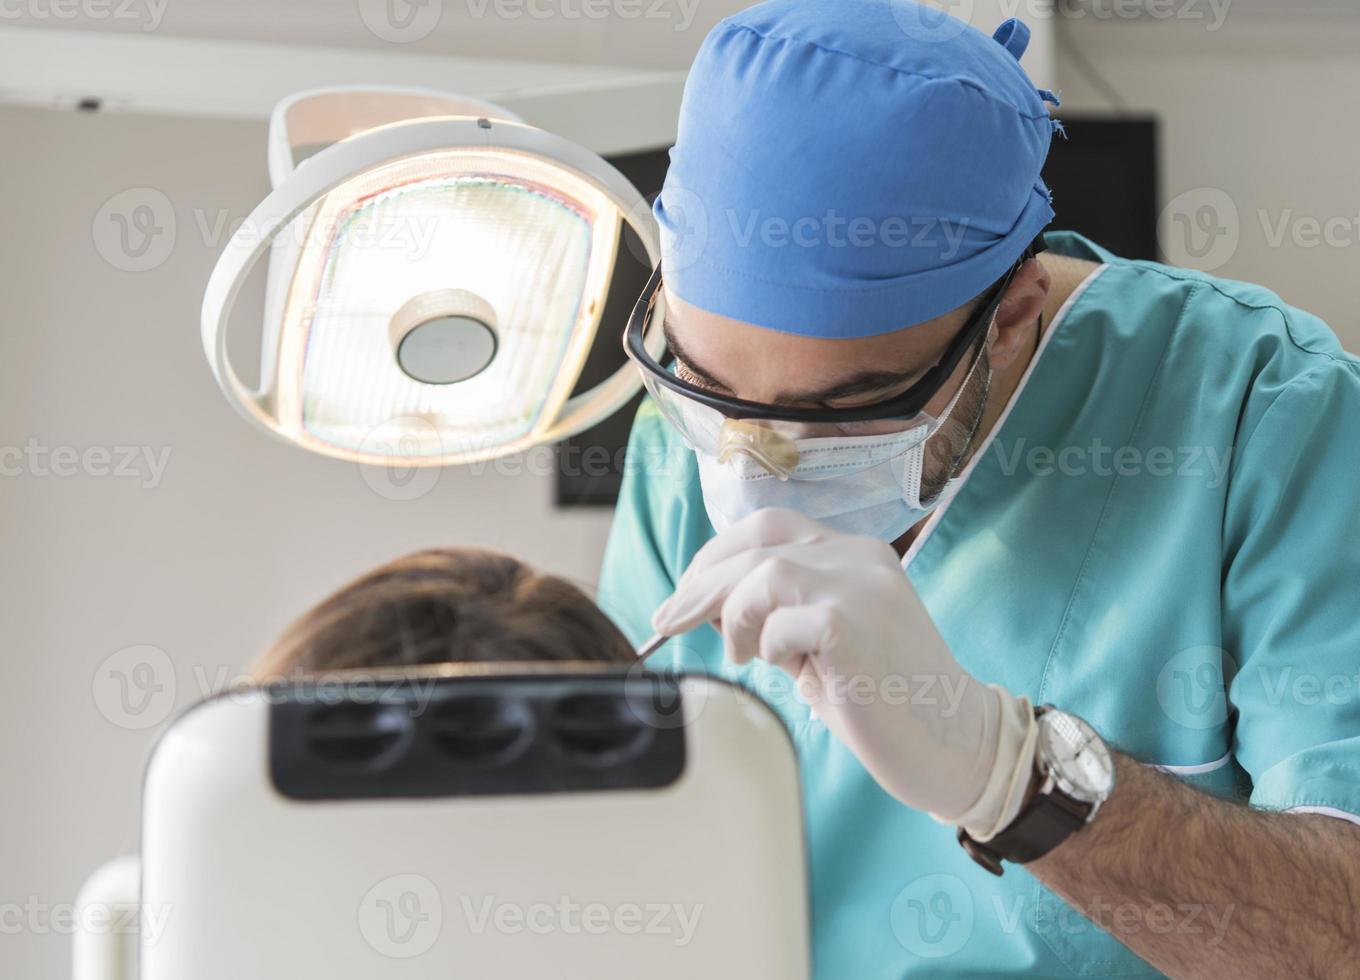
point(446, 606)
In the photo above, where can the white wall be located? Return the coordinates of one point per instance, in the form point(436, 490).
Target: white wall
point(1258, 120)
point(240, 534)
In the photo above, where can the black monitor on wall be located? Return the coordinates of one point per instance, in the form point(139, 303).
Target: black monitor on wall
point(1104, 179)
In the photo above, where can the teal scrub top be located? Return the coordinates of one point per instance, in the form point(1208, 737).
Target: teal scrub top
point(1162, 536)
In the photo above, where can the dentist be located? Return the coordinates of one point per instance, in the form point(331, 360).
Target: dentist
point(1126, 494)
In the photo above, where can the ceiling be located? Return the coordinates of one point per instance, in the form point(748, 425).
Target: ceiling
point(652, 34)
point(648, 34)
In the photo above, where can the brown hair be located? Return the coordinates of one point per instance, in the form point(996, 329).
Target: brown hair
point(446, 606)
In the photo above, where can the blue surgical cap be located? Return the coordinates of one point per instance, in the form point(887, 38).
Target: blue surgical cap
point(845, 168)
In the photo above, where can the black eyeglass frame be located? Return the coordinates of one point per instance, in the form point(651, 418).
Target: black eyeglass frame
point(906, 405)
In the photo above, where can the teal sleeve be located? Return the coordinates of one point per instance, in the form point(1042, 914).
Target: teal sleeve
point(1291, 591)
point(655, 527)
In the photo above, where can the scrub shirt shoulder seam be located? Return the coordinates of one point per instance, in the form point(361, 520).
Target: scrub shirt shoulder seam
point(1105, 509)
point(1181, 275)
point(1297, 382)
point(956, 79)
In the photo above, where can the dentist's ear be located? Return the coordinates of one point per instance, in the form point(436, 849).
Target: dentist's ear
point(1016, 316)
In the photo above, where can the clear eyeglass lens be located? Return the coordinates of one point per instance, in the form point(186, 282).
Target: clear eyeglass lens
point(778, 445)
point(703, 427)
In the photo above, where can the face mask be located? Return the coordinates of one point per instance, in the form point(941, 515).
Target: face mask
point(867, 485)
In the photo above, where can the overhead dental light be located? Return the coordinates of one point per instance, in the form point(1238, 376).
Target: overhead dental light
point(437, 272)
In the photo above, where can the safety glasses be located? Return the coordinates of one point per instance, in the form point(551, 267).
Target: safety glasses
point(784, 439)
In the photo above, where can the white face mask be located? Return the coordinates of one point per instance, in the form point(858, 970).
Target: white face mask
point(867, 485)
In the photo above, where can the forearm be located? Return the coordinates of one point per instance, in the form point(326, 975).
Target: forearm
point(1203, 887)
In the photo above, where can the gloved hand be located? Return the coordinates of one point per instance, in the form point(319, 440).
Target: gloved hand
point(838, 613)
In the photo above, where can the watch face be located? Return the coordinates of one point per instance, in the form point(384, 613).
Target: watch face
point(1076, 756)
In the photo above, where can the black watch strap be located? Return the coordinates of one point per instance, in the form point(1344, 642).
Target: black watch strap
point(1047, 821)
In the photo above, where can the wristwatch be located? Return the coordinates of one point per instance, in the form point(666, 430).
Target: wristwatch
point(1075, 775)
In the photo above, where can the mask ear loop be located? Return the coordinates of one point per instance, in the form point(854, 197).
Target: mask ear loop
point(914, 488)
point(986, 393)
point(967, 378)
point(1032, 251)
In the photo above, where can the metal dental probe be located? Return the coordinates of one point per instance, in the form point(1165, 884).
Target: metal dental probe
point(650, 645)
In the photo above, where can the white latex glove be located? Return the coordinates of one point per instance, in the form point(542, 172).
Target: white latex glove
point(838, 613)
